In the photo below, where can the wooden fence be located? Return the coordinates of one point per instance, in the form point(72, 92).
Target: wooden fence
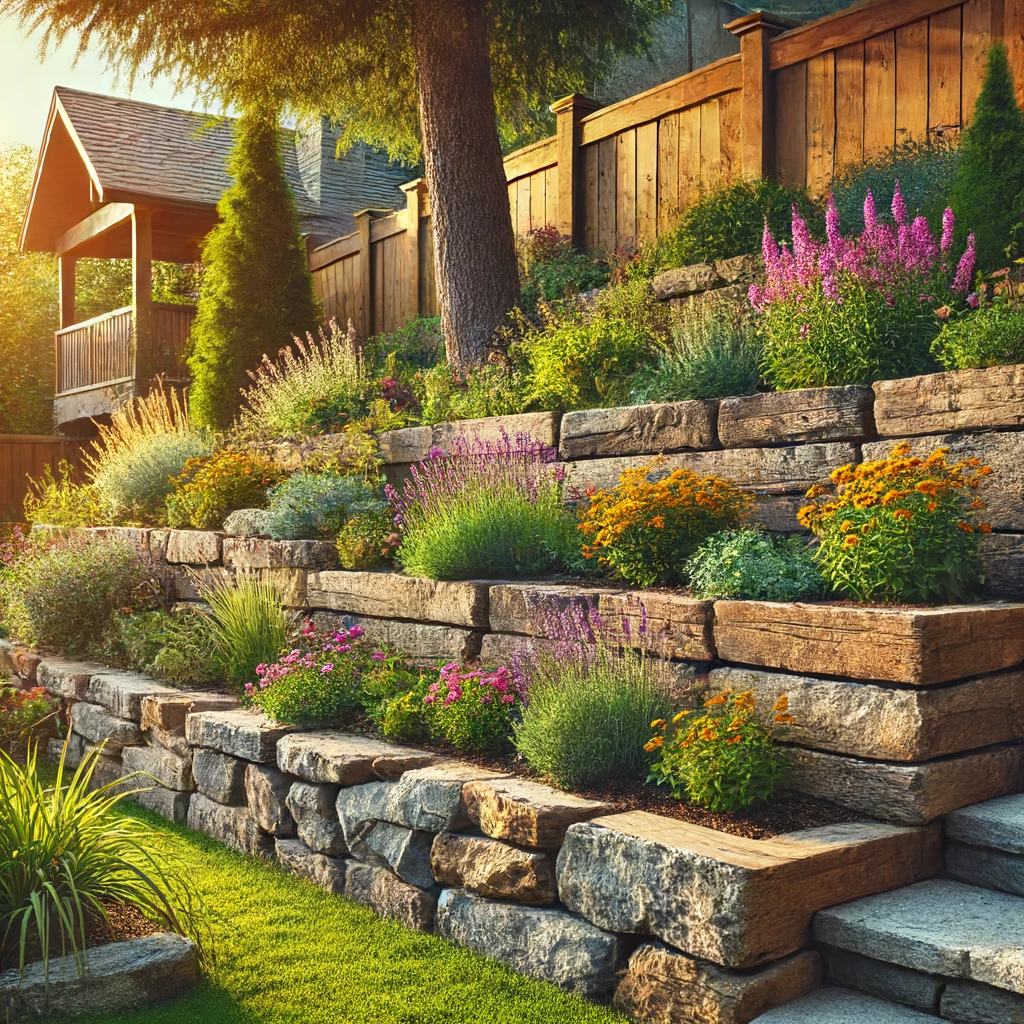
point(23, 456)
point(795, 105)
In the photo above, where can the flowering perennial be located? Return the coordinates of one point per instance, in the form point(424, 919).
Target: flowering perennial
point(474, 709)
point(901, 528)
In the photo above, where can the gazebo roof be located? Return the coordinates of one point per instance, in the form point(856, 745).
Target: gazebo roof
point(103, 149)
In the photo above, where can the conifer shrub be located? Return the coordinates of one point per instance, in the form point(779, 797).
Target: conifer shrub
point(257, 291)
point(989, 182)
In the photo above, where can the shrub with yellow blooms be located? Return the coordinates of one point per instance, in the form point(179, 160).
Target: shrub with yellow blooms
point(652, 522)
point(901, 528)
point(211, 487)
point(724, 759)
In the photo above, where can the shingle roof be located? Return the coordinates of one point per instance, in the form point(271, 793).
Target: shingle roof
point(162, 151)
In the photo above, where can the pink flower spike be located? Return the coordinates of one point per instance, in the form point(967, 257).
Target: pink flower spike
point(965, 269)
point(899, 207)
point(870, 214)
point(948, 224)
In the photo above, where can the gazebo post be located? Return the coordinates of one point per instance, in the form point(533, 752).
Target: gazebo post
point(142, 299)
point(67, 266)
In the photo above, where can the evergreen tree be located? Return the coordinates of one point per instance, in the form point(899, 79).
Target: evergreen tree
point(256, 290)
point(988, 190)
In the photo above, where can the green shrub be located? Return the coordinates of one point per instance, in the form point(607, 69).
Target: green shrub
point(647, 526)
point(492, 389)
point(368, 540)
point(552, 269)
point(211, 488)
point(729, 221)
point(416, 345)
point(249, 626)
point(63, 597)
point(22, 712)
point(751, 565)
point(585, 356)
point(474, 710)
point(715, 353)
point(588, 713)
point(484, 511)
point(59, 501)
point(900, 529)
point(246, 522)
point(67, 860)
point(989, 180)
point(924, 170)
point(256, 291)
point(724, 759)
point(992, 335)
point(308, 506)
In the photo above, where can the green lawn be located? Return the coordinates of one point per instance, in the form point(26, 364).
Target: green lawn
point(285, 951)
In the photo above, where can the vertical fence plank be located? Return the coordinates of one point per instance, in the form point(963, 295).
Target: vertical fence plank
point(944, 71)
point(551, 195)
point(668, 172)
point(647, 182)
point(850, 107)
point(689, 157)
point(911, 82)
point(879, 94)
point(625, 199)
point(978, 36)
point(730, 138)
point(710, 145)
point(606, 193)
point(538, 197)
point(791, 124)
point(1013, 35)
point(591, 174)
point(821, 122)
point(523, 206)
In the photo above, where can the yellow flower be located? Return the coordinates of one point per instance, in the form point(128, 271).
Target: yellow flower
point(658, 723)
point(851, 542)
point(676, 718)
point(846, 526)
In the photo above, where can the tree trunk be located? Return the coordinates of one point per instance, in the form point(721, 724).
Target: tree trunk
point(474, 246)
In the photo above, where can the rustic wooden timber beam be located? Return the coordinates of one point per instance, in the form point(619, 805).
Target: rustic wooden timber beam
point(96, 224)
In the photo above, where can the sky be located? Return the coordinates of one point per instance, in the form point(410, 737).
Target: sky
point(26, 84)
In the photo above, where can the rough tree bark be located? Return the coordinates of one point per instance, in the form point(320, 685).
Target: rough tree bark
point(474, 246)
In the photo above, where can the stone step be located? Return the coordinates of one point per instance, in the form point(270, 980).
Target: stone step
point(985, 844)
point(940, 926)
point(841, 1006)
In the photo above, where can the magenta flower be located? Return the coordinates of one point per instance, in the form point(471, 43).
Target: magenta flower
point(899, 207)
point(965, 269)
point(355, 632)
point(948, 224)
point(379, 656)
point(973, 301)
point(324, 669)
point(870, 215)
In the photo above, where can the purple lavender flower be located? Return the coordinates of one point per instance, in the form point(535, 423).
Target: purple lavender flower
point(965, 269)
point(948, 225)
point(899, 207)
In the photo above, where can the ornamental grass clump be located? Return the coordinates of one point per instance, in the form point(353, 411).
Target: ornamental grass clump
point(724, 759)
point(651, 523)
point(901, 528)
point(484, 509)
point(854, 311)
point(588, 703)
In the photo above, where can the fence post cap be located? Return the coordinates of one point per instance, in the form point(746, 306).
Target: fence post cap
point(576, 101)
point(762, 20)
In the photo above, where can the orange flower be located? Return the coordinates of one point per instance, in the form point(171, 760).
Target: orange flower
point(903, 513)
point(966, 527)
point(850, 542)
point(984, 527)
point(845, 526)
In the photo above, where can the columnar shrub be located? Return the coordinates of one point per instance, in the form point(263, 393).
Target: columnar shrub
point(724, 758)
point(648, 526)
point(901, 528)
point(853, 311)
point(484, 509)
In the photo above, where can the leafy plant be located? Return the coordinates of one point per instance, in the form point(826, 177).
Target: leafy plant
point(491, 389)
point(552, 269)
point(585, 356)
point(730, 220)
point(212, 487)
point(647, 526)
point(134, 462)
point(249, 627)
point(22, 712)
point(474, 710)
point(311, 505)
point(484, 510)
point(66, 860)
point(60, 501)
point(900, 528)
point(751, 565)
point(724, 759)
point(988, 187)
point(64, 596)
point(853, 311)
point(715, 353)
point(991, 335)
point(246, 522)
point(368, 540)
point(588, 709)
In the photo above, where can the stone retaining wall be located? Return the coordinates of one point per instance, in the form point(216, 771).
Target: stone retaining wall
point(778, 444)
point(663, 916)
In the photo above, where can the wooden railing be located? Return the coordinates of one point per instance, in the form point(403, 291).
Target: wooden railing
point(795, 105)
point(101, 351)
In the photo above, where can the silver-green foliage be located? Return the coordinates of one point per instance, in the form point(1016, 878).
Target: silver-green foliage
point(751, 565)
point(308, 506)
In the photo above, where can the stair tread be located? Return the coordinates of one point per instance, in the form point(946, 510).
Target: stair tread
point(939, 926)
point(842, 1006)
point(995, 823)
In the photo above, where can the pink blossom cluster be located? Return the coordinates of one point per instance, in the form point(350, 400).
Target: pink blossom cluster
point(516, 464)
point(885, 257)
point(321, 655)
point(13, 545)
point(489, 686)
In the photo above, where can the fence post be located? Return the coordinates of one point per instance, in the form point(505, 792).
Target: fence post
point(571, 183)
point(414, 192)
point(755, 32)
point(142, 300)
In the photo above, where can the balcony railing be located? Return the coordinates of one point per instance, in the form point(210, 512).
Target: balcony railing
point(101, 351)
